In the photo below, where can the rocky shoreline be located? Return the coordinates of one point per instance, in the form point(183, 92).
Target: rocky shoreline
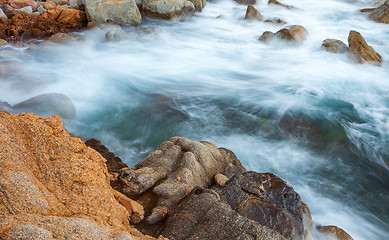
point(54, 186)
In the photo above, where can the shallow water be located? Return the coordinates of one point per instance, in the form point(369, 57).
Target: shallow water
point(315, 119)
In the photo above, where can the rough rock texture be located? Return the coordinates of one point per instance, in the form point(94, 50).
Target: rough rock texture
point(199, 4)
point(253, 14)
point(168, 9)
point(3, 42)
point(26, 26)
point(121, 12)
point(294, 33)
point(381, 14)
point(173, 171)
point(275, 2)
point(275, 20)
point(247, 2)
point(54, 186)
point(203, 215)
point(360, 51)
point(334, 232)
point(334, 46)
point(266, 36)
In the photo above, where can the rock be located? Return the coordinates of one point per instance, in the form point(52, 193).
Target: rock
point(26, 231)
point(49, 5)
point(275, 2)
point(115, 35)
point(172, 171)
point(334, 232)
point(381, 14)
point(41, 10)
point(268, 200)
point(199, 4)
point(25, 10)
point(3, 43)
point(135, 209)
point(18, 4)
point(294, 33)
point(367, 10)
point(275, 20)
point(119, 12)
point(66, 37)
point(2, 14)
point(334, 46)
point(168, 9)
point(220, 179)
point(253, 14)
point(203, 215)
point(48, 105)
point(247, 2)
point(360, 51)
point(266, 36)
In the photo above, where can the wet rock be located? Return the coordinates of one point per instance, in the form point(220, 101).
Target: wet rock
point(203, 215)
point(266, 36)
point(381, 14)
point(334, 232)
point(275, 20)
point(3, 42)
point(334, 46)
point(360, 51)
point(247, 2)
point(293, 33)
point(115, 35)
point(168, 9)
point(199, 4)
point(275, 2)
point(2, 14)
point(66, 37)
point(172, 171)
point(268, 200)
point(253, 14)
point(119, 12)
point(48, 105)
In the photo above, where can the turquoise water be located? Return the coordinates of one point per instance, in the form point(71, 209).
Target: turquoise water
point(317, 120)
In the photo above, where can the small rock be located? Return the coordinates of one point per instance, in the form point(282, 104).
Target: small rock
point(115, 35)
point(66, 37)
point(334, 46)
point(25, 10)
point(41, 10)
point(275, 2)
point(247, 2)
point(199, 4)
point(253, 14)
point(266, 36)
point(367, 10)
point(3, 42)
point(295, 33)
point(360, 51)
point(381, 14)
point(2, 14)
point(18, 4)
point(168, 9)
point(334, 232)
point(134, 209)
point(49, 5)
point(275, 20)
point(220, 179)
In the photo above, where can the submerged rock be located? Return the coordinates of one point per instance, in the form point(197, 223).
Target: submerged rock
point(266, 36)
point(253, 14)
point(275, 2)
point(119, 12)
point(334, 46)
point(199, 4)
point(381, 14)
point(360, 51)
point(334, 232)
point(295, 33)
point(168, 9)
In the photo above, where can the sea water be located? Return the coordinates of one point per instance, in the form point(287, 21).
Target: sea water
point(318, 120)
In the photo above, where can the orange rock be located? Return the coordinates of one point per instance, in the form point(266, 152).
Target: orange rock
point(252, 13)
point(334, 232)
point(360, 51)
point(134, 209)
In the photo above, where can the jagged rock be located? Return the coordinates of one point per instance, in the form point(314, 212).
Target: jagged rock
point(334, 232)
point(199, 4)
point(168, 9)
point(253, 14)
point(66, 37)
point(360, 51)
point(294, 33)
point(173, 171)
point(275, 2)
point(266, 36)
point(381, 14)
point(119, 12)
point(202, 215)
point(47, 177)
point(2, 14)
point(2, 43)
point(268, 200)
point(275, 20)
point(246, 2)
point(334, 46)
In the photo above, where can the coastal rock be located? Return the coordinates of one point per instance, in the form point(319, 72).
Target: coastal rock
point(381, 14)
point(52, 183)
point(2, 14)
point(220, 179)
point(266, 36)
point(275, 2)
point(203, 215)
point(66, 37)
point(119, 12)
point(247, 2)
point(334, 232)
point(49, 5)
point(294, 33)
point(168, 9)
point(253, 14)
point(25, 10)
point(18, 4)
point(199, 4)
point(3, 43)
point(173, 171)
point(334, 46)
point(115, 35)
point(275, 20)
point(360, 51)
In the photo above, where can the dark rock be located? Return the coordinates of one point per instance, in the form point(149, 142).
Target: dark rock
point(172, 171)
point(381, 14)
point(334, 232)
point(253, 14)
point(275, 2)
point(275, 20)
point(360, 51)
point(247, 2)
point(334, 46)
point(266, 36)
point(268, 200)
point(202, 215)
point(367, 10)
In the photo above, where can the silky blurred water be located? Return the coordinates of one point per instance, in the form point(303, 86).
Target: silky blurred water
point(315, 119)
